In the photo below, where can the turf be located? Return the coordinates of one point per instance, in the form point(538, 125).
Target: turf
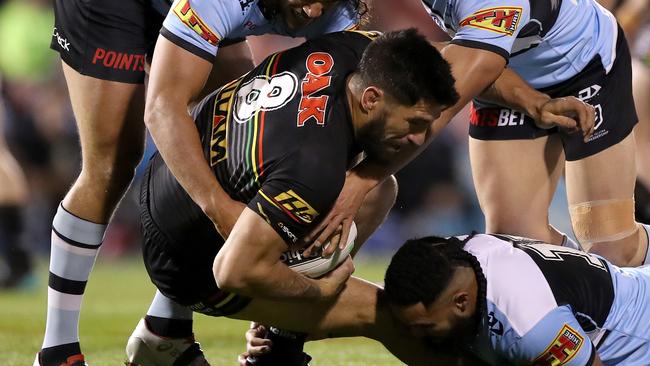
point(118, 294)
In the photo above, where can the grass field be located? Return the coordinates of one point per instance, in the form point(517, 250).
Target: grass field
point(119, 293)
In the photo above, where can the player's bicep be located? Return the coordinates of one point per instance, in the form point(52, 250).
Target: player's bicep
point(199, 26)
point(555, 340)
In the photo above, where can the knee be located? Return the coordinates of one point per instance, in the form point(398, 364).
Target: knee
point(608, 228)
point(112, 168)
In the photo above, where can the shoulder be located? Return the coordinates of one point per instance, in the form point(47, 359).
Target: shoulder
point(515, 285)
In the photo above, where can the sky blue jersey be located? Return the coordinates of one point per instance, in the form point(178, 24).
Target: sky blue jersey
point(545, 41)
point(200, 25)
point(550, 305)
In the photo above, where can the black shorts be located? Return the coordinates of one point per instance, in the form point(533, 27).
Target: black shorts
point(610, 93)
point(106, 39)
point(181, 268)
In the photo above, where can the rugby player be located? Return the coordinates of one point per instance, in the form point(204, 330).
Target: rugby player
point(13, 195)
point(564, 49)
point(280, 140)
point(516, 301)
point(104, 46)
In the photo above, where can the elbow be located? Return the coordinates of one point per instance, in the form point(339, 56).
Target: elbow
point(153, 109)
point(231, 278)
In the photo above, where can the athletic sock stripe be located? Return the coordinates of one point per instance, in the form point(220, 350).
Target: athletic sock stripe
point(66, 286)
point(75, 243)
point(59, 300)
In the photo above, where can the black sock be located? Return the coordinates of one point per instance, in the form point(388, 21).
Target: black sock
point(169, 328)
point(55, 356)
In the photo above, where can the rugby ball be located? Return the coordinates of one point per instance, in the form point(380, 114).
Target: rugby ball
point(315, 266)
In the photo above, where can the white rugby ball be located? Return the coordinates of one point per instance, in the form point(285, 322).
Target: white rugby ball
point(316, 265)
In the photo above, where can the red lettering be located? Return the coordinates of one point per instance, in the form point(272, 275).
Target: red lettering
point(125, 62)
point(320, 63)
point(186, 8)
point(312, 107)
point(99, 54)
point(109, 60)
point(116, 65)
point(501, 16)
point(313, 83)
point(484, 117)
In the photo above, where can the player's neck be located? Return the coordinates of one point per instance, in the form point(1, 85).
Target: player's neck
point(353, 92)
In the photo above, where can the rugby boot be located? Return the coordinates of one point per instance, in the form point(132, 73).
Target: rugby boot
point(145, 348)
point(74, 360)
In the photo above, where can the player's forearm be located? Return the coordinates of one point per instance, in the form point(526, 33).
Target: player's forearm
point(510, 90)
point(276, 282)
point(178, 141)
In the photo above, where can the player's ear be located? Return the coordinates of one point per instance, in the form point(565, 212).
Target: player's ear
point(461, 303)
point(371, 97)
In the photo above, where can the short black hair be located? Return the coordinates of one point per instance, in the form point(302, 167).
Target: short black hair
point(422, 268)
point(409, 68)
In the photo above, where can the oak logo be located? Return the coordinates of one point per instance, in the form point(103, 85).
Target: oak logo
point(319, 64)
point(296, 207)
point(564, 347)
point(188, 16)
point(501, 19)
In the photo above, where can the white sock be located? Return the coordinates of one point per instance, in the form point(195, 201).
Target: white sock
point(164, 307)
point(75, 244)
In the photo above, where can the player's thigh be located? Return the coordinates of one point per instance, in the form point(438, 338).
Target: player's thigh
point(609, 174)
point(103, 45)
point(515, 181)
point(352, 313)
point(109, 115)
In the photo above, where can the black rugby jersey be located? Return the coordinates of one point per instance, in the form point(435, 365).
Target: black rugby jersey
point(279, 138)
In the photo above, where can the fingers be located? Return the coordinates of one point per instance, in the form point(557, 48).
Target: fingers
point(560, 121)
point(256, 344)
point(588, 121)
point(332, 244)
point(324, 235)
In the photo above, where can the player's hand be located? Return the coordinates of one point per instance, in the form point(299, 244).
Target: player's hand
point(569, 113)
point(334, 282)
point(335, 227)
point(256, 343)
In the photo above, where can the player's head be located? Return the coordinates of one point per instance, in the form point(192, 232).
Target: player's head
point(401, 86)
point(437, 289)
point(299, 13)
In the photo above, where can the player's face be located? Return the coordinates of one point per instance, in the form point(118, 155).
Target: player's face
point(394, 126)
point(438, 323)
point(299, 13)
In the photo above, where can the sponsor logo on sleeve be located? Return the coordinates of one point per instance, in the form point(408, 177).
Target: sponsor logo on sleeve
point(297, 207)
point(561, 351)
point(188, 16)
point(503, 19)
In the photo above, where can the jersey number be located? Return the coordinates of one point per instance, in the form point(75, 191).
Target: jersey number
point(264, 94)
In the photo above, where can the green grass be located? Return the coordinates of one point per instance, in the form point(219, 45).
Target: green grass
point(118, 295)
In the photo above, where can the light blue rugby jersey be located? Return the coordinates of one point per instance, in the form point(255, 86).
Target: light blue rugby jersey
point(200, 25)
point(550, 305)
point(545, 41)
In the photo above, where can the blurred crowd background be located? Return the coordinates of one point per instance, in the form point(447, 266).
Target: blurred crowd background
point(436, 190)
